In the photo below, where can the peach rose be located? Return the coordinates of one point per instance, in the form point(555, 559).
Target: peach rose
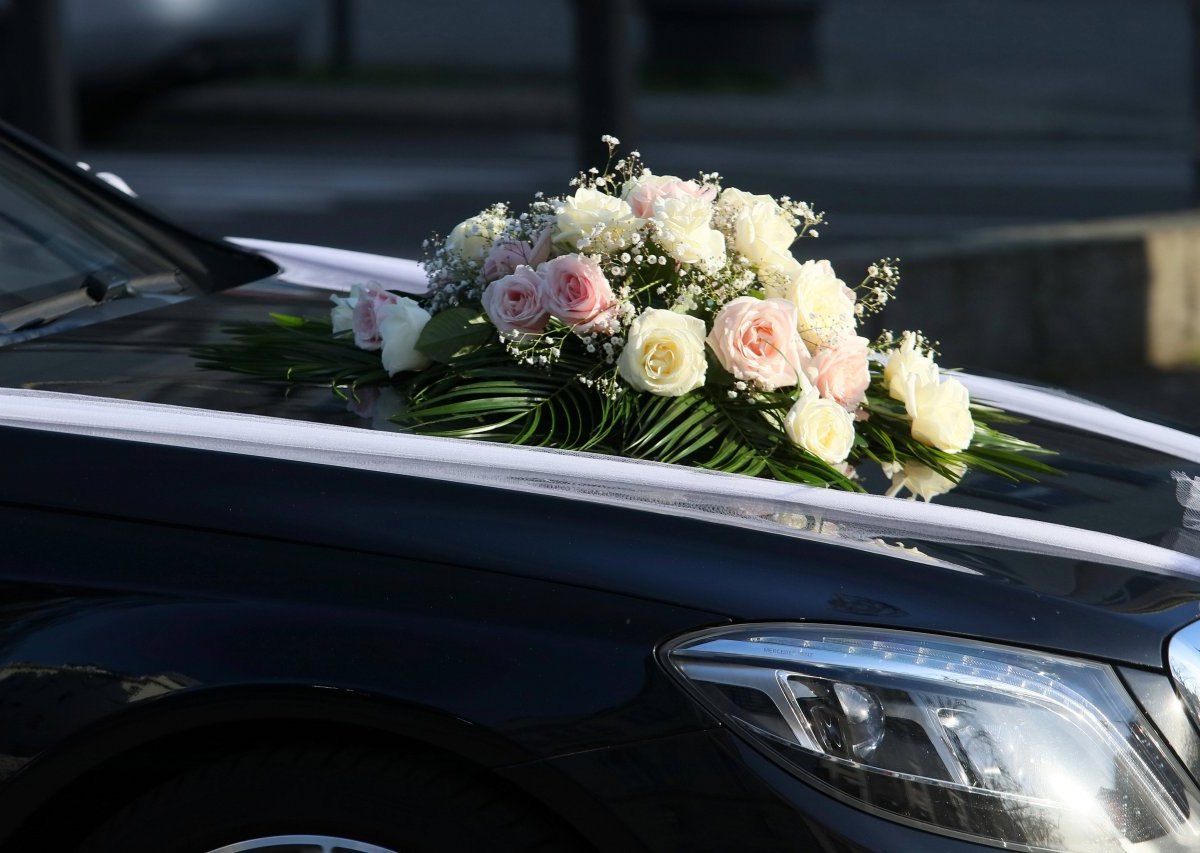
point(365, 318)
point(506, 255)
point(514, 303)
point(841, 372)
point(575, 292)
point(643, 192)
point(756, 340)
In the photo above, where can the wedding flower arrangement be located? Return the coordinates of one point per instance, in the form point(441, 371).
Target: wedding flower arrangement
point(653, 317)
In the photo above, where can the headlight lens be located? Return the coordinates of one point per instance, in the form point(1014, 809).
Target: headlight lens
point(1010, 747)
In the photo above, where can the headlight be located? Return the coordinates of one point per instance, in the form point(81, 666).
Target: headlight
point(1009, 747)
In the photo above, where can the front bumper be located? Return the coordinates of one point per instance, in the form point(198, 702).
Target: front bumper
point(709, 791)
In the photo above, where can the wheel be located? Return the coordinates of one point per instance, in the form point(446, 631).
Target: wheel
point(302, 844)
point(321, 799)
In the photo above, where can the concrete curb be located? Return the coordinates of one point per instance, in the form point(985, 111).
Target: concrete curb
point(1056, 301)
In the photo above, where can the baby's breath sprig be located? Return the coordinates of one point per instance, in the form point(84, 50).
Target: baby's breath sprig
point(608, 383)
point(455, 276)
point(879, 287)
point(710, 179)
point(888, 340)
point(540, 349)
point(802, 216)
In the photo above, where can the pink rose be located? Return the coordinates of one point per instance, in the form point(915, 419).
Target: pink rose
point(506, 255)
point(841, 372)
point(647, 190)
point(514, 303)
point(575, 291)
point(365, 320)
point(756, 340)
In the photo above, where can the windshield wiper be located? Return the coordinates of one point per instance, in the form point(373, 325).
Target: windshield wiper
point(97, 288)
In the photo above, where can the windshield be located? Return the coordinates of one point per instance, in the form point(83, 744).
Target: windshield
point(73, 251)
point(51, 239)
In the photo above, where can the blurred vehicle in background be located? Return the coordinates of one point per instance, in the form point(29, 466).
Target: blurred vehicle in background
point(147, 43)
point(122, 41)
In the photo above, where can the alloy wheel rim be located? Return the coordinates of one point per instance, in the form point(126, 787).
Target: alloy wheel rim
point(301, 844)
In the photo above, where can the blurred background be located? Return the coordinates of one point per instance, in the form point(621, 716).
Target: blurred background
point(1032, 162)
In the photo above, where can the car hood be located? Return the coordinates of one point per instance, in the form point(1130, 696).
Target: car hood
point(146, 356)
point(1111, 538)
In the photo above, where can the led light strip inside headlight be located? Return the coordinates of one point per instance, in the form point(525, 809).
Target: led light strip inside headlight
point(1008, 747)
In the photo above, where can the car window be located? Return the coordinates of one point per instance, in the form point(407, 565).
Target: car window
point(51, 238)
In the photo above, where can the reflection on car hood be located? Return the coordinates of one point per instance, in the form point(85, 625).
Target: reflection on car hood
point(146, 356)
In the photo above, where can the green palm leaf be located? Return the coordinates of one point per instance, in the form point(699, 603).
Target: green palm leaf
point(488, 396)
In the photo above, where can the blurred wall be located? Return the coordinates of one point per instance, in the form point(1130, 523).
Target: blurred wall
point(1129, 57)
point(520, 35)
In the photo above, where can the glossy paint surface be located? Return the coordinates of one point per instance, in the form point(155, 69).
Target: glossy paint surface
point(149, 590)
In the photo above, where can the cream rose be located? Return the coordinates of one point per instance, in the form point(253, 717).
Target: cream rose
point(824, 304)
point(594, 221)
point(758, 228)
point(664, 353)
point(822, 427)
point(685, 231)
point(400, 325)
point(514, 303)
point(907, 366)
point(756, 341)
point(575, 292)
point(644, 191)
point(924, 482)
point(472, 238)
point(842, 373)
point(941, 414)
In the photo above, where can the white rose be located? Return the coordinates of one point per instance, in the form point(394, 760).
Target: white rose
point(906, 366)
point(924, 482)
point(685, 232)
point(594, 222)
point(824, 304)
point(758, 228)
point(342, 313)
point(941, 414)
point(400, 326)
point(664, 353)
point(472, 238)
point(822, 427)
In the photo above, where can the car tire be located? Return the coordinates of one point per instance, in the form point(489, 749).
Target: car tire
point(390, 800)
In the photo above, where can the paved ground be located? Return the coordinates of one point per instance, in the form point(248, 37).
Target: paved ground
point(382, 186)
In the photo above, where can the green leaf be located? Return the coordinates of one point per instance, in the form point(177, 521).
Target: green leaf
point(480, 392)
point(717, 374)
point(454, 333)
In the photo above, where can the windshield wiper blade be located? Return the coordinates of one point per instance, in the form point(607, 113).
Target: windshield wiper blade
point(97, 288)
